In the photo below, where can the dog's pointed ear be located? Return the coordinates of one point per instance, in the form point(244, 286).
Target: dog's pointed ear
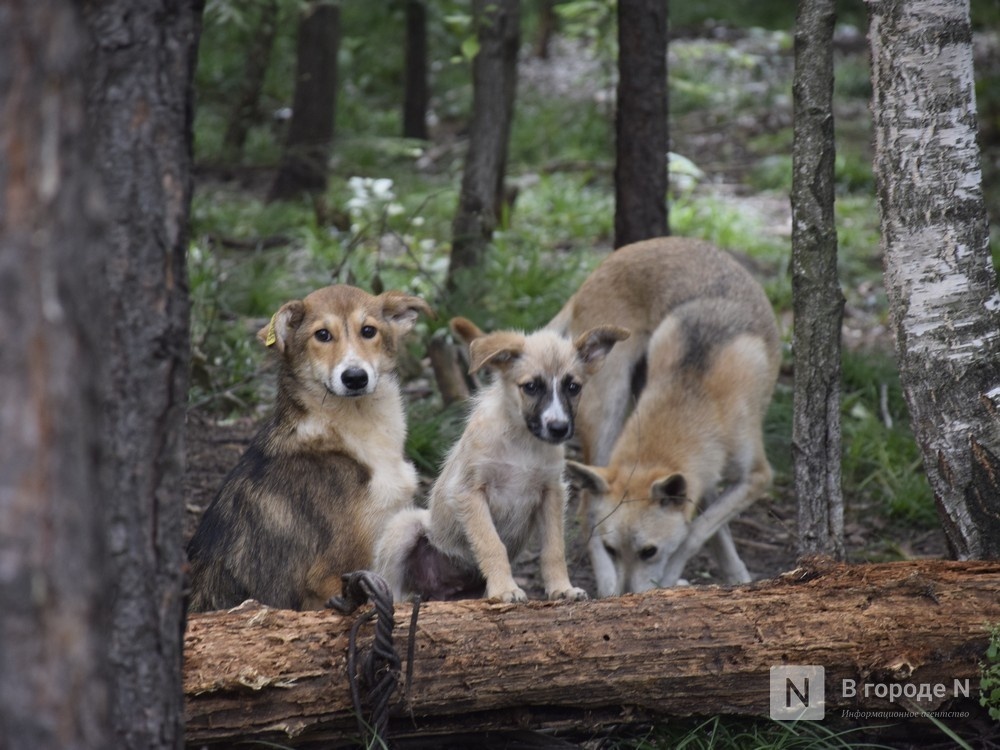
point(670, 491)
point(593, 346)
point(499, 349)
point(282, 326)
point(590, 478)
point(465, 330)
point(401, 310)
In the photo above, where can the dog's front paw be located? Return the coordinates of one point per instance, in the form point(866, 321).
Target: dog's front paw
point(572, 594)
point(507, 594)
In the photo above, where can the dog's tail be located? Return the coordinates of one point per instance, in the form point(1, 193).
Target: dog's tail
point(395, 549)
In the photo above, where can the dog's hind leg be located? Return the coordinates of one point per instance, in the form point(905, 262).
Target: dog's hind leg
point(724, 551)
point(607, 398)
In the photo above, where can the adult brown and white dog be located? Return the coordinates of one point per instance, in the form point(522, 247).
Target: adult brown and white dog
point(309, 497)
point(503, 479)
point(703, 360)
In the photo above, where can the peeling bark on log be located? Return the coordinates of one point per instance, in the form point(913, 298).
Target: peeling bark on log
point(280, 675)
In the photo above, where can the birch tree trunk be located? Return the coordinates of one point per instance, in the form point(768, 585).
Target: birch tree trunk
point(818, 303)
point(940, 280)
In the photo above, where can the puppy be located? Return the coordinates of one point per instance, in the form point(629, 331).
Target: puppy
point(704, 354)
point(504, 477)
point(308, 498)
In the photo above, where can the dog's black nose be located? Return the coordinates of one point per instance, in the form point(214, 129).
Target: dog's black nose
point(354, 378)
point(558, 429)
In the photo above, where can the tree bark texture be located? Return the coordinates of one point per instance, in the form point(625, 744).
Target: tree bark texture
point(641, 122)
point(818, 303)
point(140, 113)
point(246, 108)
point(416, 92)
point(703, 650)
point(494, 85)
point(939, 275)
point(310, 133)
point(53, 661)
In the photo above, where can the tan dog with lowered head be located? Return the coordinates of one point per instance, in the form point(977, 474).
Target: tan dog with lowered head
point(703, 361)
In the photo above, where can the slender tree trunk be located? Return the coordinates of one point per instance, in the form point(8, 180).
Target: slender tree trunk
point(817, 299)
point(53, 660)
point(139, 113)
point(940, 280)
point(310, 133)
point(494, 82)
point(548, 22)
point(641, 122)
point(415, 89)
point(246, 108)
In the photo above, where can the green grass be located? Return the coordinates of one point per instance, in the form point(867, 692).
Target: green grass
point(882, 464)
point(718, 733)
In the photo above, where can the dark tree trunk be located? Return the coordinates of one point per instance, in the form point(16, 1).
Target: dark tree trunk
point(415, 89)
point(817, 299)
point(494, 81)
point(246, 108)
point(53, 657)
point(139, 113)
point(310, 133)
point(641, 122)
point(548, 22)
point(939, 279)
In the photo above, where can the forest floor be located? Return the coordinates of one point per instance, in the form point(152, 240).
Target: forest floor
point(766, 534)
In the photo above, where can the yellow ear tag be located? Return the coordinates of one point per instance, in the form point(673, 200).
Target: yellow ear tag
point(271, 337)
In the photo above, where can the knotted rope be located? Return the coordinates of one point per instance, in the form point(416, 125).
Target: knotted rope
point(380, 667)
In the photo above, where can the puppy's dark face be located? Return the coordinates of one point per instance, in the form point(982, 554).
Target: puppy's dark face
point(548, 378)
point(543, 373)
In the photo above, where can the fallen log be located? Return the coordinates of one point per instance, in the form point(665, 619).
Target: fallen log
point(264, 674)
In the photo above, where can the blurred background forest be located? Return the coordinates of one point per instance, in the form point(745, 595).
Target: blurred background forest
point(384, 218)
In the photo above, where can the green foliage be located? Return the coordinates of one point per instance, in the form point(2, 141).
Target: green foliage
point(882, 465)
point(989, 670)
point(706, 75)
point(547, 129)
point(719, 733)
point(431, 433)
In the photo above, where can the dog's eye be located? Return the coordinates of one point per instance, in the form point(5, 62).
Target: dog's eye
point(572, 387)
point(531, 388)
point(368, 332)
point(612, 552)
point(323, 335)
point(647, 553)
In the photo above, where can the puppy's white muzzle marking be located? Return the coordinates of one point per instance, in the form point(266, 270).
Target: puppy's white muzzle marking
point(556, 421)
point(353, 377)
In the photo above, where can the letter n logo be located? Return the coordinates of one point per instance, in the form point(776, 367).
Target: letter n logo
point(798, 692)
